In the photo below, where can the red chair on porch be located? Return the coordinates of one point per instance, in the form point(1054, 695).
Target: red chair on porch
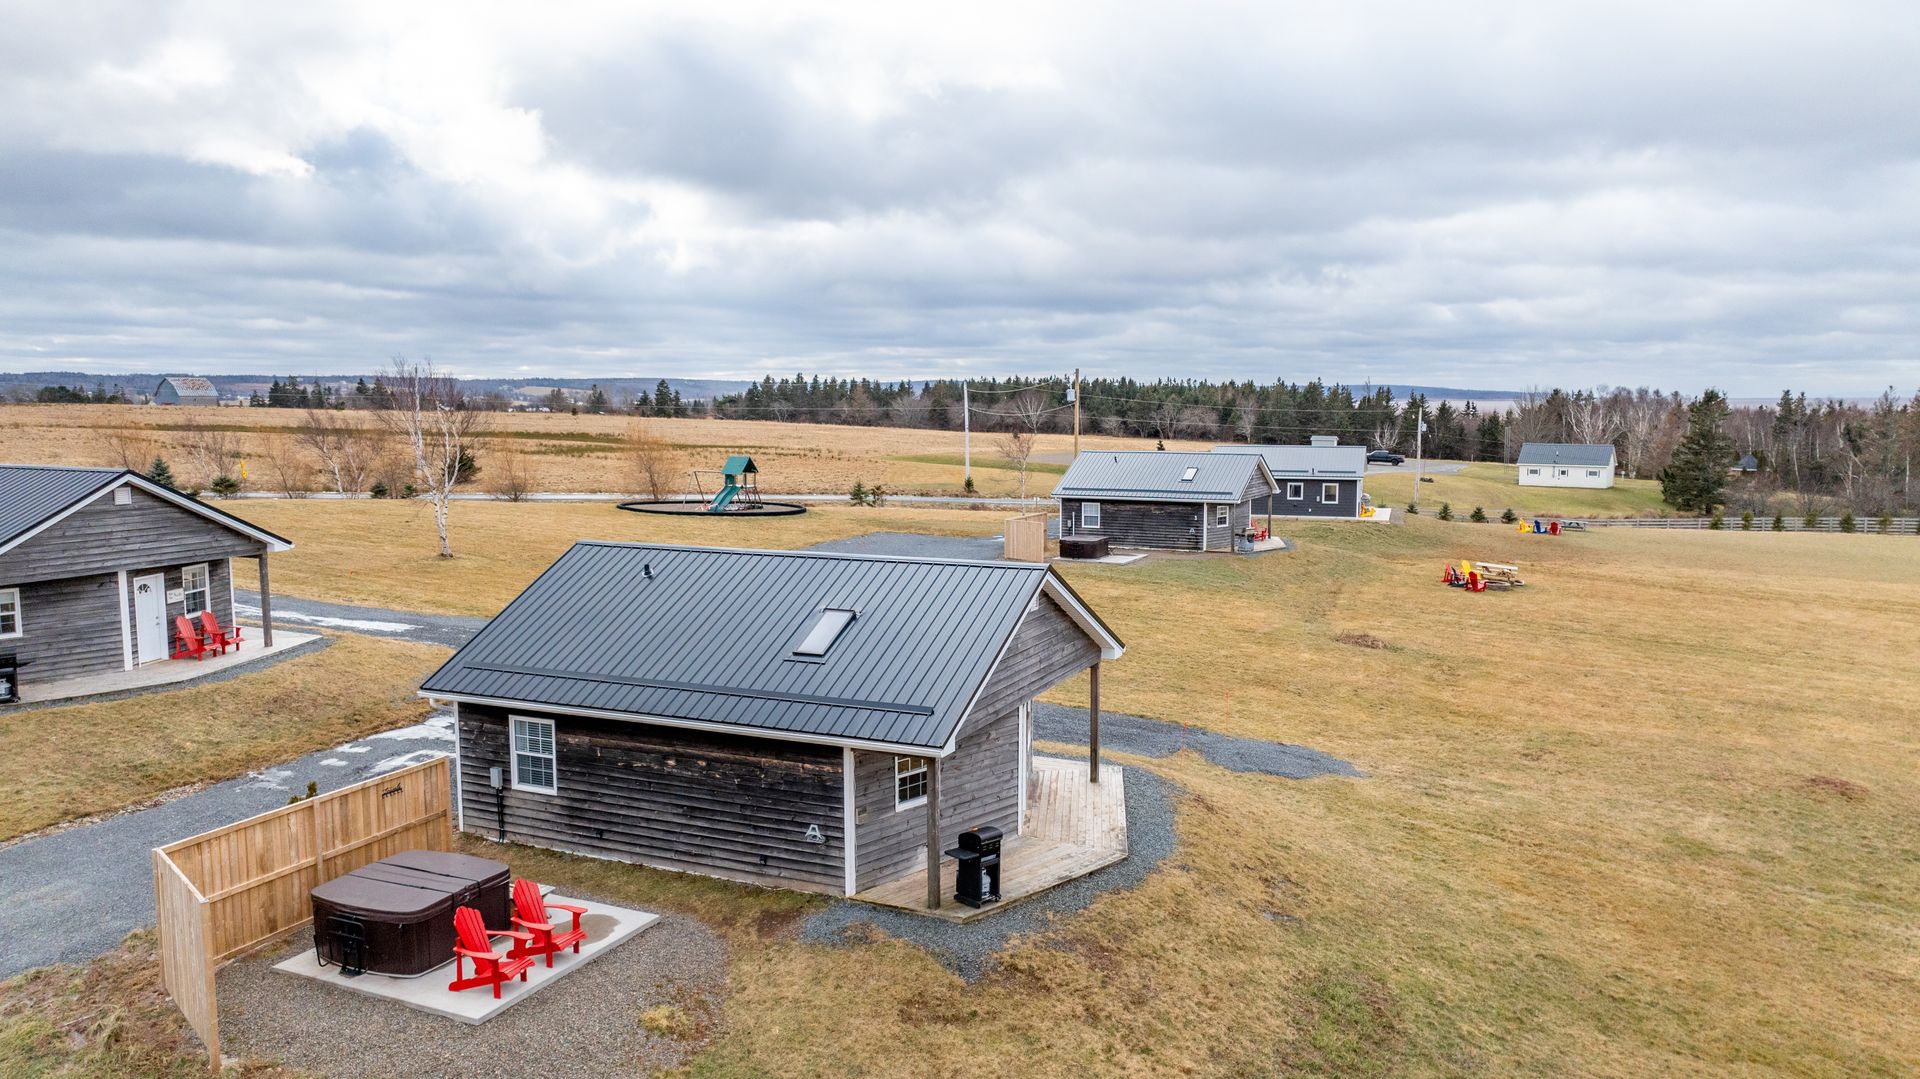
point(530, 914)
point(475, 942)
point(224, 638)
point(188, 641)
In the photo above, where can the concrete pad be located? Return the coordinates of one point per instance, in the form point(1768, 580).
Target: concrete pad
point(1108, 560)
point(607, 928)
point(165, 672)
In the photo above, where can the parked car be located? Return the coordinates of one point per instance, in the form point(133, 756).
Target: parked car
point(1386, 457)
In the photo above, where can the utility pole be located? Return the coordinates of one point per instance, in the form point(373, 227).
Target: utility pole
point(1419, 430)
point(1076, 412)
point(966, 425)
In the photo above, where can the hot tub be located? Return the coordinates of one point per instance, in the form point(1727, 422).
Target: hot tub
point(395, 916)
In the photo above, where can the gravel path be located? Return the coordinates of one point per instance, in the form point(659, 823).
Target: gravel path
point(70, 895)
point(968, 949)
point(584, 1025)
point(1155, 738)
point(450, 630)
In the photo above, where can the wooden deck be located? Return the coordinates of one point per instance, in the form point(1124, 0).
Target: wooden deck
point(1073, 827)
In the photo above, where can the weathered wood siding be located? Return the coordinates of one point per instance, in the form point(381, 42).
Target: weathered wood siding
point(980, 781)
point(1309, 504)
point(103, 536)
point(1166, 526)
point(220, 602)
point(71, 628)
point(727, 805)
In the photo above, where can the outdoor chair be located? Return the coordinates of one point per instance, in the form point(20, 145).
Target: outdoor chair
point(530, 914)
point(188, 641)
point(475, 942)
point(223, 638)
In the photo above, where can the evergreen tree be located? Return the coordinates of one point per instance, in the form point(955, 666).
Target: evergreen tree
point(663, 397)
point(597, 402)
point(160, 473)
point(1698, 474)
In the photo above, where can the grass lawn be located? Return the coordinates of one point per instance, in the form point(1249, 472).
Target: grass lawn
point(57, 764)
point(1651, 814)
point(1496, 487)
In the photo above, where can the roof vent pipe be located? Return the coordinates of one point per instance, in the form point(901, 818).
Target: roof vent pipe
point(646, 570)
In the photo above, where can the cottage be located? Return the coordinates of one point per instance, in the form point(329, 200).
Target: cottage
point(1563, 464)
point(185, 390)
point(1171, 501)
point(96, 563)
point(1321, 479)
point(789, 718)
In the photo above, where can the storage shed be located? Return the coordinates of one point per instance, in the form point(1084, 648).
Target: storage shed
point(96, 563)
point(811, 720)
point(185, 390)
point(1169, 501)
point(1321, 479)
point(1566, 464)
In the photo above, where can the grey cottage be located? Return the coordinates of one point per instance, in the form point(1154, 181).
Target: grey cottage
point(1171, 501)
point(811, 720)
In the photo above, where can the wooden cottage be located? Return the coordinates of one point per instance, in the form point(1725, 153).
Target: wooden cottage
point(96, 564)
point(810, 720)
point(1320, 479)
point(1170, 501)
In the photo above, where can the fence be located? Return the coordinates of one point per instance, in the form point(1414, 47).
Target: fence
point(1761, 523)
point(222, 893)
point(1026, 538)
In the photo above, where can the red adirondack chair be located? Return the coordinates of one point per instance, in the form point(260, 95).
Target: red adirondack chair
point(489, 966)
point(530, 914)
point(188, 641)
point(224, 638)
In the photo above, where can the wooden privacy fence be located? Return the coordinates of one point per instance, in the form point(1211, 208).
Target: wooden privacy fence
point(222, 893)
point(1026, 538)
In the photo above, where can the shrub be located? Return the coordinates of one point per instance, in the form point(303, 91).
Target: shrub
point(1812, 519)
point(1507, 516)
point(858, 495)
point(1446, 511)
point(379, 490)
point(1746, 521)
point(1717, 521)
point(225, 486)
point(1886, 523)
point(1413, 509)
point(877, 495)
point(969, 485)
point(1847, 522)
point(1779, 523)
point(1478, 516)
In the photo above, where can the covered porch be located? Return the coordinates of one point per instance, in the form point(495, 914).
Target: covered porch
point(1073, 826)
point(253, 648)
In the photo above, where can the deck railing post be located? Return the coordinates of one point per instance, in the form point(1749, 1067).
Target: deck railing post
point(1093, 722)
point(933, 833)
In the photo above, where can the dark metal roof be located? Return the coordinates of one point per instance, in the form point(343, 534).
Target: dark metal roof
point(29, 494)
point(1571, 454)
point(1154, 476)
point(708, 640)
point(1309, 462)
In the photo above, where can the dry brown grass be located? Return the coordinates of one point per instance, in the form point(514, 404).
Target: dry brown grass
point(60, 763)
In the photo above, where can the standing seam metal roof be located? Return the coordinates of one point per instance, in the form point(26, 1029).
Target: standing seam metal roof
point(1311, 462)
point(709, 639)
point(1572, 454)
point(29, 494)
point(1154, 476)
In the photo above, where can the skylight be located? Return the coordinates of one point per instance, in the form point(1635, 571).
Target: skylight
point(827, 628)
point(1189, 474)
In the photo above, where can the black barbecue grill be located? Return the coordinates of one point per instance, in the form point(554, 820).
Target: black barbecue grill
point(976, 881)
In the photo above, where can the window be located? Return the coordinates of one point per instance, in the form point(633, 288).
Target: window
point(1189, 474)
point(197, 589)
point(1593, 473)
point(1296, 491)
point(909, 782)
point(1089, 515)
point(10, 612)
point(1220, 514)
point(1329, 492)
point(1563, 472)
point(827, 627)
point(1533, 472)
point(533, 766)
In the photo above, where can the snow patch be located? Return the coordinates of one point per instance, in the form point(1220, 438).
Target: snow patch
point(363, 625)
point(437, 728)
point(333, 762)
point(351, 748)
point(271, 779)
point(405, 760)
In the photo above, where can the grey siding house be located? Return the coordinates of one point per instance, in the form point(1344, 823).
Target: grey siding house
point(794, 719)
point(1168, 501)
point(185, 390)
point(95, 564)
point(1322, 479)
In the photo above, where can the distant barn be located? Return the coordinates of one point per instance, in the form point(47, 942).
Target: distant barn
point(185, 390)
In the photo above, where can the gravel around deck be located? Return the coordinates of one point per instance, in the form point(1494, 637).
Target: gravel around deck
point(968, 948)
point(1155, 738)
point(586, 1024)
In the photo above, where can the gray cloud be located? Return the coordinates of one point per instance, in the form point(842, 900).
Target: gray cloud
point(1487, 195)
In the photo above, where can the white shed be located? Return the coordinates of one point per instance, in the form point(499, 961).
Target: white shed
point(1566, 464)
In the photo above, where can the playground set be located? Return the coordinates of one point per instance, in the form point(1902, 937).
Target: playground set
point(735, 493)
point(1480, 576)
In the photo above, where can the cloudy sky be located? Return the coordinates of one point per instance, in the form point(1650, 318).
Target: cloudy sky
point(1463, 193)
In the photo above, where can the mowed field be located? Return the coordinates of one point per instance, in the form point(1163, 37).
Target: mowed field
point(1651, 814)
point(588, 454)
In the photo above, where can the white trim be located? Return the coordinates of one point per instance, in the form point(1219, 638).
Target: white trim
point(233, 619)
point(926, 780)
point(1026, 763)
point(19, 615)
point(165, 613)
point(1324, 500)
point(185, 607)
point(274, 543)
point(849, 847)
point(1296, 491)
point(1223, 516)
point(514, 754)
point(459, 784)
point(126, 624)
point(1110, 646)
point(1085, 521)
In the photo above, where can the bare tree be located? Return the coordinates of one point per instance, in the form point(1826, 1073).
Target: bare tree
point(652, 464)
point(509, 478)
point(210, 453)
point(291, 475)
point(427, 412)
point(1246, 417)
point(349, 451)
point(1017, 448)
point(1591, 418)
point(1030, 408)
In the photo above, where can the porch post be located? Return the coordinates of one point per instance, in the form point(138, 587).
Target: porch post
point(266, 605)
point(1093, 722)
point(933, 833)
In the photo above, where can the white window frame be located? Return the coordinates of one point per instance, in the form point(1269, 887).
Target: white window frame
point(1564, 472)
point(1329, 492)
point(915, 766)
point(187, 591)
point(1297, 492)
point(1533, 472)
point(515, 752)
point(1089, 515)
point(1593, 473)
point(10, 599)
point(1222, 515)
point(1190, 472)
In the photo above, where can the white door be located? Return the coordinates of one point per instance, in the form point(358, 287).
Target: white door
point(150, 617)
